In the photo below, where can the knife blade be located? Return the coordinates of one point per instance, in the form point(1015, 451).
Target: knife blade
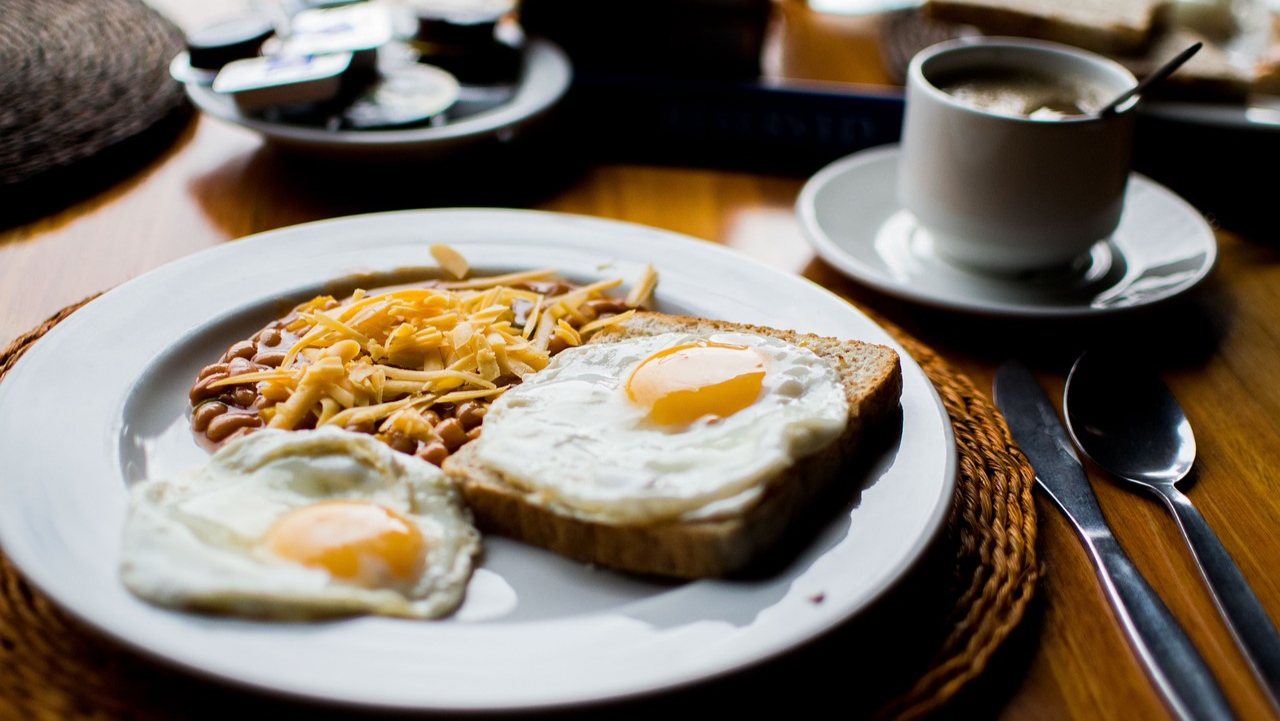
point(1170, 660)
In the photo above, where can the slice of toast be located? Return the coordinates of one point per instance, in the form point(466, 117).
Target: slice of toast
point(1208, 75)
point(1139, 34)
point(1104, 26)
point(871, 378)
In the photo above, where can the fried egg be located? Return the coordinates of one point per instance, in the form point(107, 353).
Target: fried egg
point(302, 524)
point(662, 427)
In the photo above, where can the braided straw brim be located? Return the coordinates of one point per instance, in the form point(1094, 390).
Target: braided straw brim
point(79, 76)
point(52, 668)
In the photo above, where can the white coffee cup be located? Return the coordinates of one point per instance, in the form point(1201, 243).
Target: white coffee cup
point(1007, 193)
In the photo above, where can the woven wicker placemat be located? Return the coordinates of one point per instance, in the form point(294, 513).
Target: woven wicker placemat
point(52, 668)
point(80, 77)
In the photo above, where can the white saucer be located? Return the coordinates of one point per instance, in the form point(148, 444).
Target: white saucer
point(850, 215)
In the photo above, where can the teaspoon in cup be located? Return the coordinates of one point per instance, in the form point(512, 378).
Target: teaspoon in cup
point(1130, 424)
point(1152, 78)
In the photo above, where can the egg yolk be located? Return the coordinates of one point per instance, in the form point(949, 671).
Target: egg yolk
point(682, 384)
point(356, 541)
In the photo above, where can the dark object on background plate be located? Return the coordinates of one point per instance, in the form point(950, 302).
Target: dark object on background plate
point(469, 42)
point(674, 38)
point(455, 25)
point(495, 63)
point(86, 98)
point(234, 37)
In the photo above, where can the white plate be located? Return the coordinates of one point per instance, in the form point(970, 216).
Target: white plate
point(100, 402)
point(545, 77)
point(850, 215)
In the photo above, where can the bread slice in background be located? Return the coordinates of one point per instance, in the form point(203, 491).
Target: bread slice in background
point(1139, 34)
point(1103, 26)
point(1208, 75)
point(871, 378)
point(1266, 79)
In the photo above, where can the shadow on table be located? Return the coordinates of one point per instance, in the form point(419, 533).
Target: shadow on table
point(94, 179)
point(1182, 332)
point(300, 188)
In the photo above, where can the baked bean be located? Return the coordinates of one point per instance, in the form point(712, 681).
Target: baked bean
point(470, 414)
point(206, 412)
point(243, 396)
point(271, 359)
point(431, 417)
point(224, 425)
point(433, 453)
point(556, 345)
point(269, 337)
point(402, 443)
point(473, 434)
point(201, 391)
point(211, 369)
point(451, 433)
point(240, 366)
point(243, 349)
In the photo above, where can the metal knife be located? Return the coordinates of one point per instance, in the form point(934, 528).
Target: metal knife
point(1173, 664)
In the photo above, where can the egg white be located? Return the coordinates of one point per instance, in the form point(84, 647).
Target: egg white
point(192, 541)
point(571, 438)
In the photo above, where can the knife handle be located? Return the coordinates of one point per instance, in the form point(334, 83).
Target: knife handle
point(1248, 621)
point(1173, 663)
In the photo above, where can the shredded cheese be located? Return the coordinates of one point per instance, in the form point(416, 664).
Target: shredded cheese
point(384, 360)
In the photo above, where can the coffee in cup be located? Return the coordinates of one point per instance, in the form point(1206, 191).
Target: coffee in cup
point(1024, 93)
point(1004, 159)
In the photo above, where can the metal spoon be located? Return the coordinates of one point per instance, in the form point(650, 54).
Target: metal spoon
point(1153, 77)
point(1129, 423)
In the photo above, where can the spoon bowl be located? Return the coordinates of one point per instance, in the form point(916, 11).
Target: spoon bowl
point(1128, 423)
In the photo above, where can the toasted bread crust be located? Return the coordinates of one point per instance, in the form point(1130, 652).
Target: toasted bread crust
point(872, 380)
point(1105, 26)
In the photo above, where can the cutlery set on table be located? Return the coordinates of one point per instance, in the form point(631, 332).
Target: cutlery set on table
point(1129, 424)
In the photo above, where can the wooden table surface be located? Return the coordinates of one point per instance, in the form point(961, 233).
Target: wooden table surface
point(1217, 349)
